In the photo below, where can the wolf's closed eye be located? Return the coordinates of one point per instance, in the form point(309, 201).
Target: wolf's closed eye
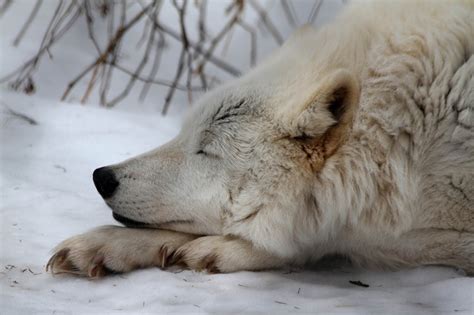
point(208, 154)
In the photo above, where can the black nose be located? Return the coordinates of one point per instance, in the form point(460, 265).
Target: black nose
point(105, 182)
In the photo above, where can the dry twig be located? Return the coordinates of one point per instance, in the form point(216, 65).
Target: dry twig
point(122, 16)
point(28, 22)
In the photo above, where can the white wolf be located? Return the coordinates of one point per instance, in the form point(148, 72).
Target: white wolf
point(356, 139)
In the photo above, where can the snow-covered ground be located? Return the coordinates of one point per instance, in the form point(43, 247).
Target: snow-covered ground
point(47, 195)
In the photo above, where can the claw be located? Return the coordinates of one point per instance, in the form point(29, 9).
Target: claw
point(58, 259)
point(209, 263)
point(162, 256)
point(177, 259)
point(96, 268)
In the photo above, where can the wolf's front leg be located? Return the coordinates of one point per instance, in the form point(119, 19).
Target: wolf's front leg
point(224, 254)
point(115, 249)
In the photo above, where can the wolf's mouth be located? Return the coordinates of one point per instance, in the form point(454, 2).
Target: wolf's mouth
point(137, 224)
point(128, 222)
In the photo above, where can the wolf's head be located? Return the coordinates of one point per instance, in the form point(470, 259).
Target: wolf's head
point(249, 149)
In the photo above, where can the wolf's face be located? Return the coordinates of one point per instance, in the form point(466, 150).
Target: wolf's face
point(246, 150)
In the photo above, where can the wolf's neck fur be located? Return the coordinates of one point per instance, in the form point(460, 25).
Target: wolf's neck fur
point(369, 182)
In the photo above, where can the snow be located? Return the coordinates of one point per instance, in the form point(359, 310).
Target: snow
point(47, 195)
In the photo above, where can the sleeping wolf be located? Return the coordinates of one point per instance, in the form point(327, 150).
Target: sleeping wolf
point(356, 139)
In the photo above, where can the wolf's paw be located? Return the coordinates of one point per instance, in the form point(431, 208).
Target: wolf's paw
point(114, 249)
point(216, 254)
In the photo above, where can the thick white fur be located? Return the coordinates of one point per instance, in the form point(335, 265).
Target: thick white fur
point(389, 183)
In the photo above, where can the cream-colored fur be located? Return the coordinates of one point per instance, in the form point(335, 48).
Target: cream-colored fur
point(356, 139)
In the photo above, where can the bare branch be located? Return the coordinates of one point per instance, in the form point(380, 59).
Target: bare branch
point(28, 22)
point(138, 71)
point(215, 41)
point(155, 66)
point(4, 7)
point(19, 115)
point(110, 49)
point(184, 55)
point(314, 11)
point(177, 76)
point(216, 61)
point(253, 41)
point(91, 84)
point(90, 25)
point(56, 31)
point(155, 81)
point(267, 22)
point(289, 12)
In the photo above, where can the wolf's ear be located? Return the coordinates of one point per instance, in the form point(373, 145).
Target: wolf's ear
point(327, 116)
